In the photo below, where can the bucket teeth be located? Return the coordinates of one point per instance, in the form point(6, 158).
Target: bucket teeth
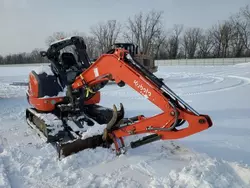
point(121, 112)
point(116, 118)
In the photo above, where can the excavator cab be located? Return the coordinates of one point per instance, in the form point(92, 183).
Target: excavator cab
point(143, 59)
point(75, 45)
point(68, 58)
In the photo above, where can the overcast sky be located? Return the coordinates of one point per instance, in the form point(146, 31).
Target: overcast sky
point(25, 24)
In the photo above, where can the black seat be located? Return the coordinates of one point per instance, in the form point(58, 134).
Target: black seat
point(68, 60)
point(70, 66)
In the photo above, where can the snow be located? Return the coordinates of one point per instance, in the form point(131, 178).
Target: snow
point(55, 124)
point(92, 131)
point(60, 93)
point(218, 157)
point(61, 40)
point(44, 69)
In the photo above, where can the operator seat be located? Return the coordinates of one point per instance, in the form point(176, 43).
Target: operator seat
point(68, 60)
point(70, 66)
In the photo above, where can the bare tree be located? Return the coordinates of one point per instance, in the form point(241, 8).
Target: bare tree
point(1, 59)
point(170, 47)
point(56, 36)
point(21, 58)
point(239, 35)
point(190, 41)
point(172, 44)
point(145, 30)
point(205, 45)
point(157, 44)
point(106, 34)
point(92, 47)
point(35, 56)
point(232, 37)
point(222, 34)
point(245, 12)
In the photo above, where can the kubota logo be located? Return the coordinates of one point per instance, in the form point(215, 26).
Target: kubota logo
point(143, 90)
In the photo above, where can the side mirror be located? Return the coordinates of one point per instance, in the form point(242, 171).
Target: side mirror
point(43, 53)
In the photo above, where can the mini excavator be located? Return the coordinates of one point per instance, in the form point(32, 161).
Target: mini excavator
point(66, 103)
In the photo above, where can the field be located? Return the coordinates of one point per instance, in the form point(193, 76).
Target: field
point(217, 157)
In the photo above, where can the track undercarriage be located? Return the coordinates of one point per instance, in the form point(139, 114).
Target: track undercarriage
point(65, 132)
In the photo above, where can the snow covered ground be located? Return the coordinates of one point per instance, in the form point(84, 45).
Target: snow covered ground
point(218, 157)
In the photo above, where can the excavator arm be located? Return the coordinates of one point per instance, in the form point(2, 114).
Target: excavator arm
point(120, 67)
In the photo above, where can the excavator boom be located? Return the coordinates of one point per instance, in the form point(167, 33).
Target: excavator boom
point(119, 66)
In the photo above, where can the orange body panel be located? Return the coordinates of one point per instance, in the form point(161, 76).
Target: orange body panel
point(44, 104)
point(33, 86)
point(47, 104)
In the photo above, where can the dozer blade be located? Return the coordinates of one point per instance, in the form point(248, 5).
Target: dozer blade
point(71, 147)
point(68, 148)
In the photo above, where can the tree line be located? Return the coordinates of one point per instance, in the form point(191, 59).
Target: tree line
point(225, 39)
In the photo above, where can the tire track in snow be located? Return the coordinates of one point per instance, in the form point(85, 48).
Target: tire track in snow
point(12, 149)
point(209, 79)
point(9, 91)
point(12, 177)
point(217, 79)
point(5, 179)
point(15, 161)
point(132, 166)
point(243, 81)
point(213, 79)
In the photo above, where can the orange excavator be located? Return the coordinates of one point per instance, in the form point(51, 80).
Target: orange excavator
point(65, 101)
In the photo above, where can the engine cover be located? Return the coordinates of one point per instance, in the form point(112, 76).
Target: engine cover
point(41, 85)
